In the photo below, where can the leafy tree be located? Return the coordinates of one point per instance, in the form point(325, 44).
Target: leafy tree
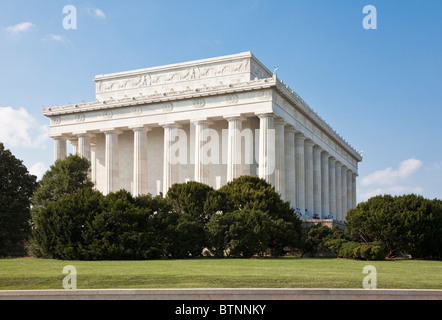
point(356, 250)
point(318, 235)
point(242, 233)
point(409, 224)
point(193, 198)
point(64, 178)
point(184, 228)
point(123, 230)
point(255, 194)
point(182, 234)
point(16, 189)
point(61, 225)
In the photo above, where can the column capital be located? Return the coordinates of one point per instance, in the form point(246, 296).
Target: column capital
point(308, 142)
point(171, 124)
point(300, 136)
point(265, 115)
point(58, 137)
point(280, 121)
point(204, 121)
point(317, 148)
point(325, 154)
point(144, 128)
point(238, 117)
point(112, 131)
point(291, 129)
point(84, 134)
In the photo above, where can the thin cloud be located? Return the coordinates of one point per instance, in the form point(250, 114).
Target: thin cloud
point(57, 38)
point(38, 170)
point(390, 181)
point(97, 13)
point(18, 128)
point(389, 176)
point(20, 28)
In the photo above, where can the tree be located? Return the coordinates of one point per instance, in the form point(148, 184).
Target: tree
point(255, 194)
point(403, 224)
point(318, 235)
point(193, 198)
point(16, 189)
point(61, 226)
point(123, 230)
point(250, 192)
point(249, 233)
point(64, 178)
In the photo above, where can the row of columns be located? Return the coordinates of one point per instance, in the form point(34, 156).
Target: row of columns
point(305, 175)
point(83, 147)
point(301, 171)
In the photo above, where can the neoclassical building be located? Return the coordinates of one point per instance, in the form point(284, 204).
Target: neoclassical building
point(209, 121)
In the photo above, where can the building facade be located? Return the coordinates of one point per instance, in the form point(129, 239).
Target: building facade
point(209, 121)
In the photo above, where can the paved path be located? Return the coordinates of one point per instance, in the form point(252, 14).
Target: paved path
point(222, 294)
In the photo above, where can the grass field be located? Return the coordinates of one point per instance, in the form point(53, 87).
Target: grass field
point(31, 274)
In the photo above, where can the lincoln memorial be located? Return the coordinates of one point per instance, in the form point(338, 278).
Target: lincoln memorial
point(209, 121)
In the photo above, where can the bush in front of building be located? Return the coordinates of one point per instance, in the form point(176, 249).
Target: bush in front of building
point(408, 224)
point(344, 248)
point(73, 221)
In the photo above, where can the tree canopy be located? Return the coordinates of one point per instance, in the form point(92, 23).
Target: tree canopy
point(16, 188)
point(404, 224)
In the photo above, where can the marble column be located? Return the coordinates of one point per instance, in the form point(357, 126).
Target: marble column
point(140, 161)
point(354, 175)
point(74, 142)
point(59, 148)
point(234, 150)
point(344, 191)
point(309, 191)
point(332, 186)
point(338, 187)
point(94, 162)
point(112, 173)
point(280, 158)
point(267, 148)
point(349, 190)
point(170, 134)
point(300, 171)
point(325, 190)
point(84, 146)
point(201, 132)
point(317, 181)
point(290, 165)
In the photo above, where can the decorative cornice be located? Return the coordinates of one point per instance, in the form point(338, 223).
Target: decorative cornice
point(199, 93)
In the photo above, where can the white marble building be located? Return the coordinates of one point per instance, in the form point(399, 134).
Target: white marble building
point(210, 121)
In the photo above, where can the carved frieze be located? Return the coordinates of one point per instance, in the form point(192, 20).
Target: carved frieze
point(160, 78)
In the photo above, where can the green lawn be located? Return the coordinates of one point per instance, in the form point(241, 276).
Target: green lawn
point(28, 274)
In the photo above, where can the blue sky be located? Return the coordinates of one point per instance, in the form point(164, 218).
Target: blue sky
point(380, 89)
